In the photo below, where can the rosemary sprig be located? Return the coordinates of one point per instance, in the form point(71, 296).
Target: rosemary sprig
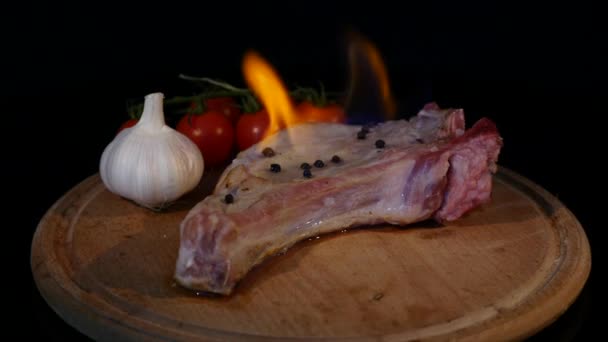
point(246, 99)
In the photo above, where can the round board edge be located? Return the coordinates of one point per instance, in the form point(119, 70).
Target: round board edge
point(75, 313)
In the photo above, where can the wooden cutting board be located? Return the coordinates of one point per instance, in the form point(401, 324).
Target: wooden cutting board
point(502, 272)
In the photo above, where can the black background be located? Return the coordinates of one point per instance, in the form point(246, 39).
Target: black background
point(537, 71)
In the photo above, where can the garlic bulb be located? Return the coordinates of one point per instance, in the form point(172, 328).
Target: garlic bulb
point(151, 163)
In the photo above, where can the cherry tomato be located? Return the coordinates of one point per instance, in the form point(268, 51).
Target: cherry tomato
point(212, 132)
point(226, 106)
point(329, 113)
point(127, 124)
point(250, 128)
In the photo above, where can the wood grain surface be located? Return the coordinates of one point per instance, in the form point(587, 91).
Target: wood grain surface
point(502, 272)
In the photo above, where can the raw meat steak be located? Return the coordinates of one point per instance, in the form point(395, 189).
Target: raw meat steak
point(429, 167)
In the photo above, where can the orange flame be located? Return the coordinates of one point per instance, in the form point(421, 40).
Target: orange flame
point(269, 88)
point(267, 85)
point(363, 53)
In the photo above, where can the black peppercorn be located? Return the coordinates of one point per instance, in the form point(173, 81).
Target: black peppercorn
point(361, 135)
point(275, 168)
point(336, 159)
point(304, 166)
point(420, 141)
point(380, 143)
point(229, 199)
point(268, 152)
point(307, 173)
point(319, 164)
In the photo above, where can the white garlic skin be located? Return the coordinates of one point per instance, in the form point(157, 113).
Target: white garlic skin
point(151, 163)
